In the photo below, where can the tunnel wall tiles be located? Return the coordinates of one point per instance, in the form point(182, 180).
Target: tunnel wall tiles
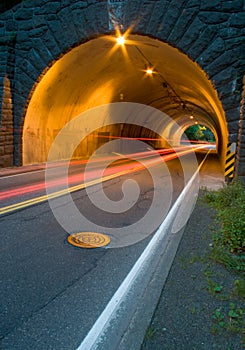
point(33, 34)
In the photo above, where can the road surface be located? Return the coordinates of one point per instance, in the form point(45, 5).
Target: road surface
point(51, 291)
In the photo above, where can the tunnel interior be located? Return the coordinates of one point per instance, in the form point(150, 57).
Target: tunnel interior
point(103, 71)
point(119, 131)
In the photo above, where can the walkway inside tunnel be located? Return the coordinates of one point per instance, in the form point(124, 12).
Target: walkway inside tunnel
point(106, 70)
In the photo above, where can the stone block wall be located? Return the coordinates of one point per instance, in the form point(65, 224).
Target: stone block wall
point(240, 154)
point(6, 128)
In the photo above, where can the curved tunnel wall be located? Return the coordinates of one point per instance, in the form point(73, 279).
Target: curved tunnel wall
point(101, 72)
point(34, 35)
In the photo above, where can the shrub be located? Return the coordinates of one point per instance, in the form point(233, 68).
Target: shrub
point(229, 203)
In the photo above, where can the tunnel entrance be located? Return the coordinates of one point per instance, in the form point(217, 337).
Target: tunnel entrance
point(104, 70)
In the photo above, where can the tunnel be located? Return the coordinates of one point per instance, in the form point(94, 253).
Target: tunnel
point(117, 69)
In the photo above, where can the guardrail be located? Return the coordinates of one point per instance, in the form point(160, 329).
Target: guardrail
point(123, 323)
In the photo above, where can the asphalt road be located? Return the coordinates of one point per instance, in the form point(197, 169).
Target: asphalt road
point(51, 291)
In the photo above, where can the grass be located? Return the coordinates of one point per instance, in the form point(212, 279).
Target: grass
point(228, 249)
point(239, 288)
point(229, 239)
point(215, 270)
point(150, 333)
point(229, 320)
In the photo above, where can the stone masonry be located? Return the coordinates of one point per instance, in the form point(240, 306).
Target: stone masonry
point(35, 33)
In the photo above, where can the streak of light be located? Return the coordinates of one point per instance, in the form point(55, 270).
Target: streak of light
point(129, 138)
point(150, 159)
point(150, 139)
point(197, 142)
point(41, 199)
point(80, 177)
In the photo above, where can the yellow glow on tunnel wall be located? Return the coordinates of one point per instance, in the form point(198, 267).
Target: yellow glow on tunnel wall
point(100, 72)
point(61, 95)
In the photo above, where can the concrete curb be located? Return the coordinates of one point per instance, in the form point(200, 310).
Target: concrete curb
point(121, 320)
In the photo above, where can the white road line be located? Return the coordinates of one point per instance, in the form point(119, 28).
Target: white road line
point(24, 173)
point(94, 338)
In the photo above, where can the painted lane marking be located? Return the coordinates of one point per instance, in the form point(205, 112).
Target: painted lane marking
point(44, 198)
point(41, 199)
point(19, 174)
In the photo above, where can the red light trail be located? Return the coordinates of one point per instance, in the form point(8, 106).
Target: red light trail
point(125, 164)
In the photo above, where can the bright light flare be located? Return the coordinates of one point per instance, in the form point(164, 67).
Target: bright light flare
point(121, 40)
point(149, 71)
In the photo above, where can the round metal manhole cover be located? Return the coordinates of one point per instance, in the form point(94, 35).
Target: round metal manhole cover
point(89, 239)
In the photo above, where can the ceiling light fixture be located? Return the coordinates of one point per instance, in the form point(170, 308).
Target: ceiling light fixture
point(149, 71)
point(121, 40)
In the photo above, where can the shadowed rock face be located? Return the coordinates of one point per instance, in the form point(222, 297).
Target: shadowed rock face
point(35, 34)
point(5, 5)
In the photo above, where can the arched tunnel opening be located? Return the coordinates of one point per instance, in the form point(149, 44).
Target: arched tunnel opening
point(101, 71)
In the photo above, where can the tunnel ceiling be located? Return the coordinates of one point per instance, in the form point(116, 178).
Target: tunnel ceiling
point(100, 71)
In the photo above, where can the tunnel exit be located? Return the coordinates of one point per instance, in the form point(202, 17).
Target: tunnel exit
point(200, 134)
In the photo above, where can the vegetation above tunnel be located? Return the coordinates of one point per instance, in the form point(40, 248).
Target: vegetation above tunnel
point(199, 133)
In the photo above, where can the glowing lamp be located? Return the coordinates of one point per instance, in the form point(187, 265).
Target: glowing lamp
point(121, 40)
point(149, 71)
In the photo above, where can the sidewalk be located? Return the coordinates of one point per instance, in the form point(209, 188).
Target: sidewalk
point(183, 319)
point(8, 171)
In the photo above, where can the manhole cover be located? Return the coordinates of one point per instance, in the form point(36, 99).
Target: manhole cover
point(89, 239)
